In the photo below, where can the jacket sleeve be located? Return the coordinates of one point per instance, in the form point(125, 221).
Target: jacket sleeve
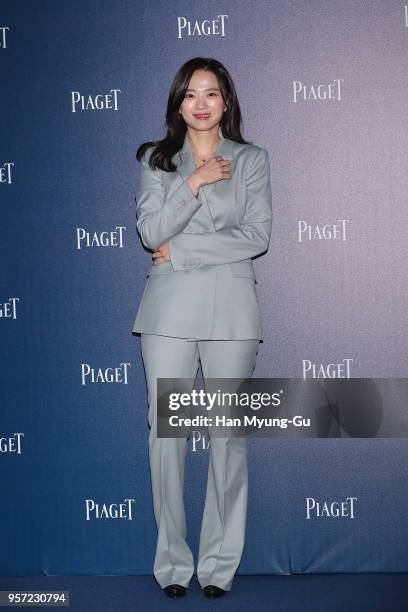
point(227, 245)
point(160, 218)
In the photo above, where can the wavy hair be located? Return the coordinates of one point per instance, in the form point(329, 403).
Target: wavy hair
point(176, 126)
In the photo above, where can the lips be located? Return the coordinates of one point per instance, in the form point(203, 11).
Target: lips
point(202, 116)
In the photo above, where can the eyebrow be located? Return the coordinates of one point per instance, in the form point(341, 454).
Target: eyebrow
point(209, 89)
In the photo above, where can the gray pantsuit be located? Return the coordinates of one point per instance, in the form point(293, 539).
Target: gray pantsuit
point(223, 525)
point(202, 306)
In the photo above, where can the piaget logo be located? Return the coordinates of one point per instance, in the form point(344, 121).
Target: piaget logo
point(333, 509)
point(199, 441)
point(322, 91)
point(122, 510)
point(328, 231)
point(11, 444)
point(5, 173)
point(8, 310)
point(206, 27)
point(90, 375)
point(107, 101)
point(328, 370)
point(3, 36)
point(112, 238)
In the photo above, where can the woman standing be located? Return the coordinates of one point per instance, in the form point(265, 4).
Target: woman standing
point(204, 208)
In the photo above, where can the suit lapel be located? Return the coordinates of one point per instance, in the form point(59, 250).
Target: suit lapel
point(184, 160)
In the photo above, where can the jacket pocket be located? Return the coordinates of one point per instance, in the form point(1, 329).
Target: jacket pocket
point(243, 268)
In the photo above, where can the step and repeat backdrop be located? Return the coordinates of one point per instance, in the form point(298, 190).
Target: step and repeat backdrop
point(323, 87)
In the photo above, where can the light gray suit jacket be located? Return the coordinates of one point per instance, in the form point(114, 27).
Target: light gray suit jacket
point(207, 290)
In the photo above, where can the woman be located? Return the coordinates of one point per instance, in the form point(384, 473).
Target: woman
point(204, 208)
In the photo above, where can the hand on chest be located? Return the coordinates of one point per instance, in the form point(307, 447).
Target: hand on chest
point(223, 202)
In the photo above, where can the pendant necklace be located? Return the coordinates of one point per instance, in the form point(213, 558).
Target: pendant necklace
point(198, 158)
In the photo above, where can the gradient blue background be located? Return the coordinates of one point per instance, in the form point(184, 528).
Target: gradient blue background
point(321, 300)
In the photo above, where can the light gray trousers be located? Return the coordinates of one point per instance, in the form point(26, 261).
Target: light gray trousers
point(223, 526)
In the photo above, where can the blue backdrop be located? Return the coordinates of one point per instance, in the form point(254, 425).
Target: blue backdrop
point(322, 85)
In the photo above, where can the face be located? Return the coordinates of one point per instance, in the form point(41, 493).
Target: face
point(203, 97)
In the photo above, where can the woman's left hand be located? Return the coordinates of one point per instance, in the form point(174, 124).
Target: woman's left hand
point(161, 254)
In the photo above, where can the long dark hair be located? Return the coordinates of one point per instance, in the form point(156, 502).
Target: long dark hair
point(176, 127)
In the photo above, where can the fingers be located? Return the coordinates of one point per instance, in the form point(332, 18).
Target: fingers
point(225, 165)
point(159, 258)
point(223, 162)
point(226, 170)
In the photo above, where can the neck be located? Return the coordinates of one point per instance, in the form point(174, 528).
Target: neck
point(203, 142)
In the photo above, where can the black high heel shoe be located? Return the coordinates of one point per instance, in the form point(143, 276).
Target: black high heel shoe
point(213, 591)
point(175, 590)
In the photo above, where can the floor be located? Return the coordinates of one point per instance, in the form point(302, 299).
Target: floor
point(294, 593)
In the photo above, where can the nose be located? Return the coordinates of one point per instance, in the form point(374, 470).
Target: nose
point(201, 102)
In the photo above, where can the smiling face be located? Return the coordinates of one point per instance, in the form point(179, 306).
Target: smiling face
point(203, 106)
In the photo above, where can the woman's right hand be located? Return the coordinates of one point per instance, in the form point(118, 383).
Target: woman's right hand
point(213, 170)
